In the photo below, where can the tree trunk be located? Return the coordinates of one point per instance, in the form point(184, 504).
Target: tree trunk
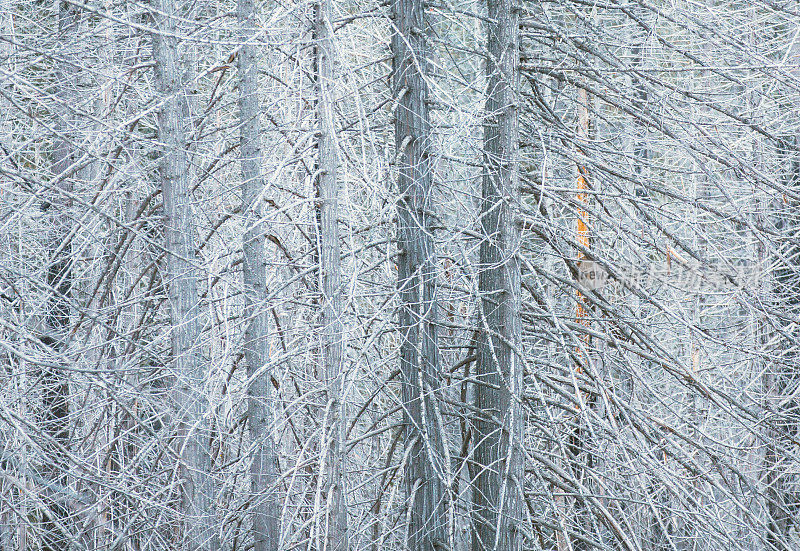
point(781, 377)
point(580, 453)
point(54, 382)
point(418, 315)
point(263, 471)
point(497, 498)
point(182, 275)
point(330, 283)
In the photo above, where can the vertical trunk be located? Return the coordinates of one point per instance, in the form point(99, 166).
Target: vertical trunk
point(6, 512)
point(182, 276)
point(263, 470)
point(54, 382)
point(639, 103)
point(497, 499)
point(330, 283)
point(656, 532)
point(579, 448)
point(418, 315)
point(781, 378)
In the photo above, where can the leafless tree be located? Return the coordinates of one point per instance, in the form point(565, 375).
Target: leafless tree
point(334, 434)
point(196, 484)
point(54, 379)
point(319, 275)
point(418, 317)
point(263, 469)
point(498, 424)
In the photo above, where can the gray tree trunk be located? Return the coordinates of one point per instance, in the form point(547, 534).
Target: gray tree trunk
point(330, 283)
point(54, 382)
point(263, 470)
point(181, 276)
point(418, 316)
point(781, 378)
point(497, 499)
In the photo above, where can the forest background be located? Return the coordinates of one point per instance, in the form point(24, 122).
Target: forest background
point(407, 274)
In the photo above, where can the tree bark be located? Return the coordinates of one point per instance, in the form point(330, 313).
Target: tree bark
point(781, 377)
point(181, 277)
point(418, 315)
point(263, 470)
point(497, 498)
point(54, 382)
point(330, 283)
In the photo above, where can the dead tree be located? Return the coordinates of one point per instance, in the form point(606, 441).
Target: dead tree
point(182, 277)
point(781, 378)
point(55, 335)
point(497, 488)
point(263, 469)
point(334, 434)
point(418, 315)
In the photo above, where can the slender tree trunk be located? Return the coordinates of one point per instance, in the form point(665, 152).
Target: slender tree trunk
point(181, 276)
point(497, 499)
point(6, 512)
point(580, 453)
point(656, 533)
point(55, 382)
point(330, 283)
point(263, 471)
point(639, 101)
point(781, 378)
point(418, 316)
